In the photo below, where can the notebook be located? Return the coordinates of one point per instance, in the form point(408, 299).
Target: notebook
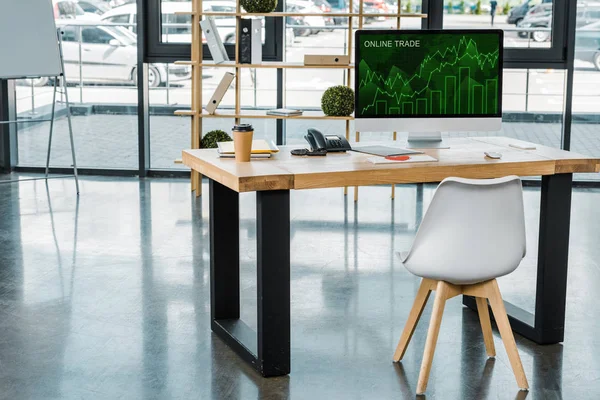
point(259, 146)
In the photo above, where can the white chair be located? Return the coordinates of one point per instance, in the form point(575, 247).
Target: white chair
point(472, 233)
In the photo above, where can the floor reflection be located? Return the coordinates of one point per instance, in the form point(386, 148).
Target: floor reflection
point(107, 296)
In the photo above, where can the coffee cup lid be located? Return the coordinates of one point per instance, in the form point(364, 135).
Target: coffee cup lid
point(243, 128)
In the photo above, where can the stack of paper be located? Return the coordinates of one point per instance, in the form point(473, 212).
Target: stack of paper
point(286, 112)
point(260, 149)
point(411, 159)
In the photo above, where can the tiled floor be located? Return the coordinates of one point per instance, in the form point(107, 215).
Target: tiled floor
point(106, 296)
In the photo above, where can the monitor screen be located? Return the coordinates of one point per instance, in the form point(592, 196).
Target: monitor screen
point(425, 74)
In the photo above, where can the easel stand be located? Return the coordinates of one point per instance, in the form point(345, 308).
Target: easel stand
point(63, 91)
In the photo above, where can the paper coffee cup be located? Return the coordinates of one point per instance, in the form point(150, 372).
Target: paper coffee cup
point(242, 142)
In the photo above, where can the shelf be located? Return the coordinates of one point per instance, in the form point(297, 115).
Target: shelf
point(261, 114)
point(297, 14)
point(266, 64)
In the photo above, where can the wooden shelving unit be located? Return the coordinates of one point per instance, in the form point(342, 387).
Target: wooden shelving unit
point(197, 113)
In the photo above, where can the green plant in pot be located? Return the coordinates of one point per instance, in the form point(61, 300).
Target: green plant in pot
point(258, 6)
point(209, 141)
point(338, 101)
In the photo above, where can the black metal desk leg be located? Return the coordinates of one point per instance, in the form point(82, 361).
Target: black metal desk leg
point(547, 324)
point(553, 254)
point(273, 281)
point(224, 253)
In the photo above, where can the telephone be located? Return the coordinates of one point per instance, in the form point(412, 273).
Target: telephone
point(330, 143)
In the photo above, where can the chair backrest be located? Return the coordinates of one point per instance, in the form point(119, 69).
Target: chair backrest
point(474, 230)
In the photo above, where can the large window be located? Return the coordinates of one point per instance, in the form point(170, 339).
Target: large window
point(526, 23)
point(534, 30)
point(100, 69)
point(101, 60)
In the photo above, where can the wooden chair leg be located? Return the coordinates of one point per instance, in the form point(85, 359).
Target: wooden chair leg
point(506, 332)
point(486, 326)
point(439, 303)
point(413, 318)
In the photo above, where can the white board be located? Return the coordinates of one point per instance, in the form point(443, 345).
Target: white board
point(28, 41)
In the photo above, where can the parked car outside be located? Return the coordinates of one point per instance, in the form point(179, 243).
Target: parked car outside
point(536, 21)
point(69, 9)
point(325, 7)
point(381, 5)
point(587, 44)
point(108, 55)
point(540, 10)
point(341, 6)
point(516, 14)
point(587, 13)
point(97, 7)
point(302, 6)
point(177, 28)
point(298, 25)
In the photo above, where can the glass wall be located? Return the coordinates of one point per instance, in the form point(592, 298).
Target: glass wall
point(100, 68)
point(585, 131)
point(101, 57)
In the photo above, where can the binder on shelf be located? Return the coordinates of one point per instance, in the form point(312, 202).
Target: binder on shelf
point(219, 93)
point(323, 59)
point(250, 41)
point(213, 40)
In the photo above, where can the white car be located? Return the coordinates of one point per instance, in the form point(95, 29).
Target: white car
point(177, 28)
point(308, 7)
point(108, 55)
point(69, 9)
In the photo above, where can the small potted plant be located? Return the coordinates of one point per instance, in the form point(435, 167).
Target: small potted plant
point(209, 141)
point(258, 6)
point(338, 101)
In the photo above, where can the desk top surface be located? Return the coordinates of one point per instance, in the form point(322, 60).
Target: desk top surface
point(465, 158)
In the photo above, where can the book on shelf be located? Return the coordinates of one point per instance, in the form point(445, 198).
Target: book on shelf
point(259, 146)
point(213, 40)
point(286, 112)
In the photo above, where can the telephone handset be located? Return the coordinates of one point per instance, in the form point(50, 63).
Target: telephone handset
point(331, 143)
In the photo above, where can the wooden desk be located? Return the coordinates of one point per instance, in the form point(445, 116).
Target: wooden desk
point(268, 350)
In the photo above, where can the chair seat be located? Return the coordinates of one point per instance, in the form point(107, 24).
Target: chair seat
point(455, 276)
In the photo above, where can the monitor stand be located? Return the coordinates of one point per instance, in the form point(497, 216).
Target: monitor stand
point(426, 140)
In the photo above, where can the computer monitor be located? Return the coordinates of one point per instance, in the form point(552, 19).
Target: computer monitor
point(428, 82)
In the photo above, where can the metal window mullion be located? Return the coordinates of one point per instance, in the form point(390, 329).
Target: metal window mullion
point(8, 132)
point(143, 91)
point(569, 42)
